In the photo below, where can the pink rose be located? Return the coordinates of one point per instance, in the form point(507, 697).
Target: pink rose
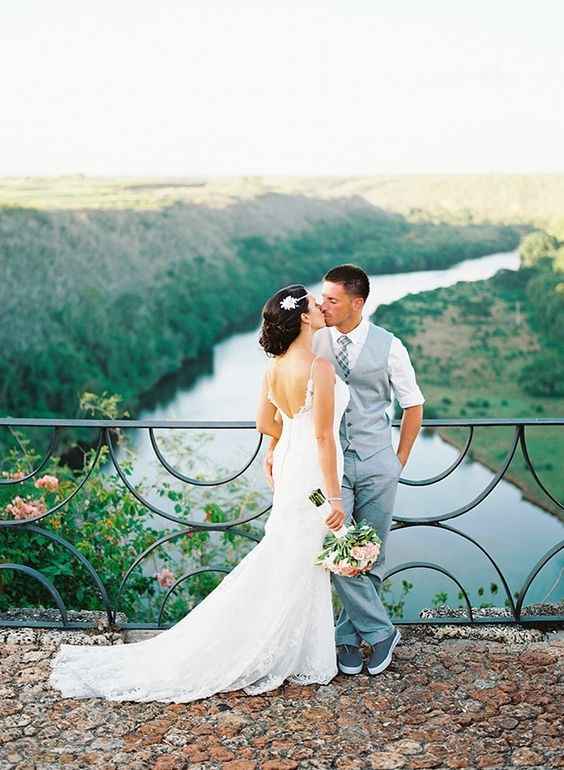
point(359, 552)
point(50, 483)
point(372, 550)
point(347, 569)
point(366, 553)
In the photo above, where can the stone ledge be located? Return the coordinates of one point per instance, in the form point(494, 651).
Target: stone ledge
point(442, 703)
point(98, 618)
point(556, 608)
point(101, 633)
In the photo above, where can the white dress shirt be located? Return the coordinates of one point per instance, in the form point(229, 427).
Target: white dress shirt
point(400, 370)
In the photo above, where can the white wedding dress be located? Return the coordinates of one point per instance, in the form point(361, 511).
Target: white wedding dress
point(270, 619)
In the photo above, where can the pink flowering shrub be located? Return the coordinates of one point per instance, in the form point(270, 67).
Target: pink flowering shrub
point(50, 483)
point(165, 577)
point(26, 509)
point(110, 528)
point(30, 508)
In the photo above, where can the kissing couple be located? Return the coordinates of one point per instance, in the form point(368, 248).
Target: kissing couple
point(323, 401)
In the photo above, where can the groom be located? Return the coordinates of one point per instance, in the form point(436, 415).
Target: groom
point(373, 362)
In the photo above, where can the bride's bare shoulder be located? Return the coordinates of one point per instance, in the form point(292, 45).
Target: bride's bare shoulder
point(323, 369)
point(267, 371)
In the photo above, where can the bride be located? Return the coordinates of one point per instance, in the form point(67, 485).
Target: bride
point(270, 619)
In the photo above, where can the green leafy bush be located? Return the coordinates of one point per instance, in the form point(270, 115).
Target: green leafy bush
point(544, 375)
point(109, 527)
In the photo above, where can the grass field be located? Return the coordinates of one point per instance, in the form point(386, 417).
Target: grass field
point(456, 198)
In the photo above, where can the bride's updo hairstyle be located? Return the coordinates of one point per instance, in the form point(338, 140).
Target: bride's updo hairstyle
point(281, 325)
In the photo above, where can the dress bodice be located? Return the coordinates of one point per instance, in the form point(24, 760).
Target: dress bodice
point(296, 469)
point(342, 396)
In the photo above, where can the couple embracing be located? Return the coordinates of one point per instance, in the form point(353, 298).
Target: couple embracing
point(323, 402)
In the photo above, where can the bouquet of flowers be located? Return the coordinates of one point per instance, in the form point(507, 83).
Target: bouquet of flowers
point(356, 546)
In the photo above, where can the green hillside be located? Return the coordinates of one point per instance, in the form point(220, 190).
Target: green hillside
point(112, 285)
point(494, 348)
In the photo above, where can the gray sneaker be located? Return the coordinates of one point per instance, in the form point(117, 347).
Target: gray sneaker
point(349, 659)
point(381, 655)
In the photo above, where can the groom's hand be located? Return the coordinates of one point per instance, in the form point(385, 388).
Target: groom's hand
point(402, 458)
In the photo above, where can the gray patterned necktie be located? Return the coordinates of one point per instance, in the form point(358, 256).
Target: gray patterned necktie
point(342, 354)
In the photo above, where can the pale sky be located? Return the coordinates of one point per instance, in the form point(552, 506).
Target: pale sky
point(226, 87)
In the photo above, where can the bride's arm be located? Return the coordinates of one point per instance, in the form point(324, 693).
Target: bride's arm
point(266, 414)
point(323, 418)
point(269, 454)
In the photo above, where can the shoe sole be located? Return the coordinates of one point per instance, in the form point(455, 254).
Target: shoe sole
point(388, 659)
point(350, 669)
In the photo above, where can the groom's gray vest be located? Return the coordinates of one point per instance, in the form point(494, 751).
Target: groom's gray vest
point(365, 426)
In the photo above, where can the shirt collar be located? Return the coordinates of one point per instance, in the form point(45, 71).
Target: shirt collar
point(356, 335)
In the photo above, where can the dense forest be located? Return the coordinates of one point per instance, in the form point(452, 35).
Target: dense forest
point(494, 348)
point(108, 300)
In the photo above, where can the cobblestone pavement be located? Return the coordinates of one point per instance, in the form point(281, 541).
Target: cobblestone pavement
point(443, 703)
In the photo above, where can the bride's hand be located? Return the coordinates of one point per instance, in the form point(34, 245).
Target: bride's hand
point(336, 518)
point(267, 466)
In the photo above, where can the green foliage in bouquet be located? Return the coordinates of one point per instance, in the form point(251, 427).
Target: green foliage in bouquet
point(339, 548)
point(358, 534)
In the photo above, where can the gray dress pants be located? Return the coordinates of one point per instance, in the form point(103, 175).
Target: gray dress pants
point(369, 490)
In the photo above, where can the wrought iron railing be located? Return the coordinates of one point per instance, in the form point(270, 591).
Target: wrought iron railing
point(111, 604)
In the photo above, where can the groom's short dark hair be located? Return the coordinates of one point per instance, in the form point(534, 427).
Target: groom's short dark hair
point(354, 279)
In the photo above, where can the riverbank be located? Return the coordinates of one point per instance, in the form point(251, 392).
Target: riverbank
point(469, 344)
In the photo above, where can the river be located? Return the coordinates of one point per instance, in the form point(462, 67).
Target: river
point(514, 531)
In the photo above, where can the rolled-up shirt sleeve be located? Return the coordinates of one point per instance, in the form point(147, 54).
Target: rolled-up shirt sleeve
point(402, 376)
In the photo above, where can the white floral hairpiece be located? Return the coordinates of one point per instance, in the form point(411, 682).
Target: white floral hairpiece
point(289, 302)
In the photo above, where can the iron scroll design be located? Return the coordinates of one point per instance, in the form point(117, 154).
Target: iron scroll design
point(111, 604)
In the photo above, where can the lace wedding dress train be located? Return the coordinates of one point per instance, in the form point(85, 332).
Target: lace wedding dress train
point(270, 619)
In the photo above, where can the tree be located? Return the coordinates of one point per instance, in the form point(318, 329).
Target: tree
point(544, 376)
point(559, 260)
point(535, 247)
point(556, 228)
point(546, 297)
